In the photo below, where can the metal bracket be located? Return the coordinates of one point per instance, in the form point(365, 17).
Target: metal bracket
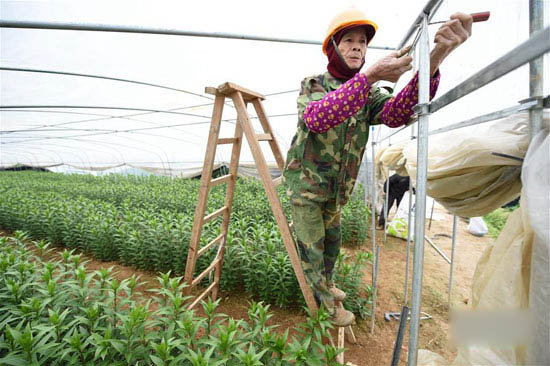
point(539, 99)
point(422, 109)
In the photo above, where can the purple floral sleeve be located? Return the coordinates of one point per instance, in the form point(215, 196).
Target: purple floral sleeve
point(338, 105)
point(398, 110)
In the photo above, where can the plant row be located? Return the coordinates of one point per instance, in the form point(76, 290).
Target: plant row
point(56, 312)
point(48, 206)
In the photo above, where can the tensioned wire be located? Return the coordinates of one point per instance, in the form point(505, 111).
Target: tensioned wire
point(133, 82)
point(59, 157)
point(111, 116)
point(122, 80)
point(141, 129)
point(106, 117)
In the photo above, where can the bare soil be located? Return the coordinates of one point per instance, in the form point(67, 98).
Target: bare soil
point(376, 349)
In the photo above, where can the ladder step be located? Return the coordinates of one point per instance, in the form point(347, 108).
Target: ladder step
point(205, 272)
point(227, 140)
point(278, 181)
point(220, 180)
point(264, 137)
point(209, 245)
point(214, 214)
point(202, 296)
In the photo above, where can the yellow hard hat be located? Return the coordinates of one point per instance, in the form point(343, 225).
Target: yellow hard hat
point(350, 17)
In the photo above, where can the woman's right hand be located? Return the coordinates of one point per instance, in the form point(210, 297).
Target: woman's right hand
point(390, 68)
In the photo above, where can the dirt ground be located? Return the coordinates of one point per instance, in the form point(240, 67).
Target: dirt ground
point(376, 349)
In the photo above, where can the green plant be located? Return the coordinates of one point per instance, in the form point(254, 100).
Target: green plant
point(146, 222)
point(45, 321)
point(495, 220)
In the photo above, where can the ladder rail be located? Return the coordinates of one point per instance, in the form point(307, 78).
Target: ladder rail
point(202, 200)
point(229, 194)
point(271, 191)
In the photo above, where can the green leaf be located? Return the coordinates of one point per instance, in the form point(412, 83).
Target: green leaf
point(14, 360)
point(156, 360)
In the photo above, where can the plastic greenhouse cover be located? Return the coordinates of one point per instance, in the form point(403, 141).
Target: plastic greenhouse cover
point(464, 175)
point(514, 272)
point(192, 63)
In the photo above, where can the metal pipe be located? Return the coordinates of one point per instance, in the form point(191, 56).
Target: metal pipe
point(102, 77)
point(536, 67)
point(431, 214)
point(386, 204)
point(100, 107)
point(529, 50)
point(373, 221)
point(539, 290)
point(375, 288)
point(365, 180)
point(421, 175)
point(437, 249)
point(486, 117)
point(394, 132)
point(405, 295)
point(455, 224)
point(399, 341)
point(430, 8)
point(409, 215)
point(527, 105)
point(98, 27)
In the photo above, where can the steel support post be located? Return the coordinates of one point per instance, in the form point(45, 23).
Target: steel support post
point(538, 352)
point(421, 175)
point(375, 288)
point(455, 223)
point(373, 222)
point(536, 67)
point(365, 180)
point(406, 292)
point(386, 203)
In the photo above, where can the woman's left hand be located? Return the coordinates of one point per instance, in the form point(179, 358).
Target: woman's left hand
point(451, 35)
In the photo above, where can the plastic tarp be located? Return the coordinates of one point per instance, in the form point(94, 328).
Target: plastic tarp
point(535, 176)
point(514, 272)
point(464, 174)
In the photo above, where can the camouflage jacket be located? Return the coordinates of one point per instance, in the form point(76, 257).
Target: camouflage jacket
point(323, 167)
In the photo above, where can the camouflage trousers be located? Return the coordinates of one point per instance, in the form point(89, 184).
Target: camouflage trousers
point(318, 237)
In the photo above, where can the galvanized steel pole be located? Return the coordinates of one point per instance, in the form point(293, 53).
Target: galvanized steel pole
point(536, 67)
point(430, 8)
point(98, 27)
point(487, 117)
point(455, 222)
point(373, 214)
point(539, 294)
point(421, 175)
point(386, 203)
point(406, 292)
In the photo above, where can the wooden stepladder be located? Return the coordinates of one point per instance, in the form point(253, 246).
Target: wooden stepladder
point(241, 97)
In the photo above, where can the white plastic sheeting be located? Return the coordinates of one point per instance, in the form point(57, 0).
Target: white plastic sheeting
point(514, 272)
point(191, 63)
point(464, 175)
point(535, 176)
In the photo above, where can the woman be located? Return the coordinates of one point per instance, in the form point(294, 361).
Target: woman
point(335, 111)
